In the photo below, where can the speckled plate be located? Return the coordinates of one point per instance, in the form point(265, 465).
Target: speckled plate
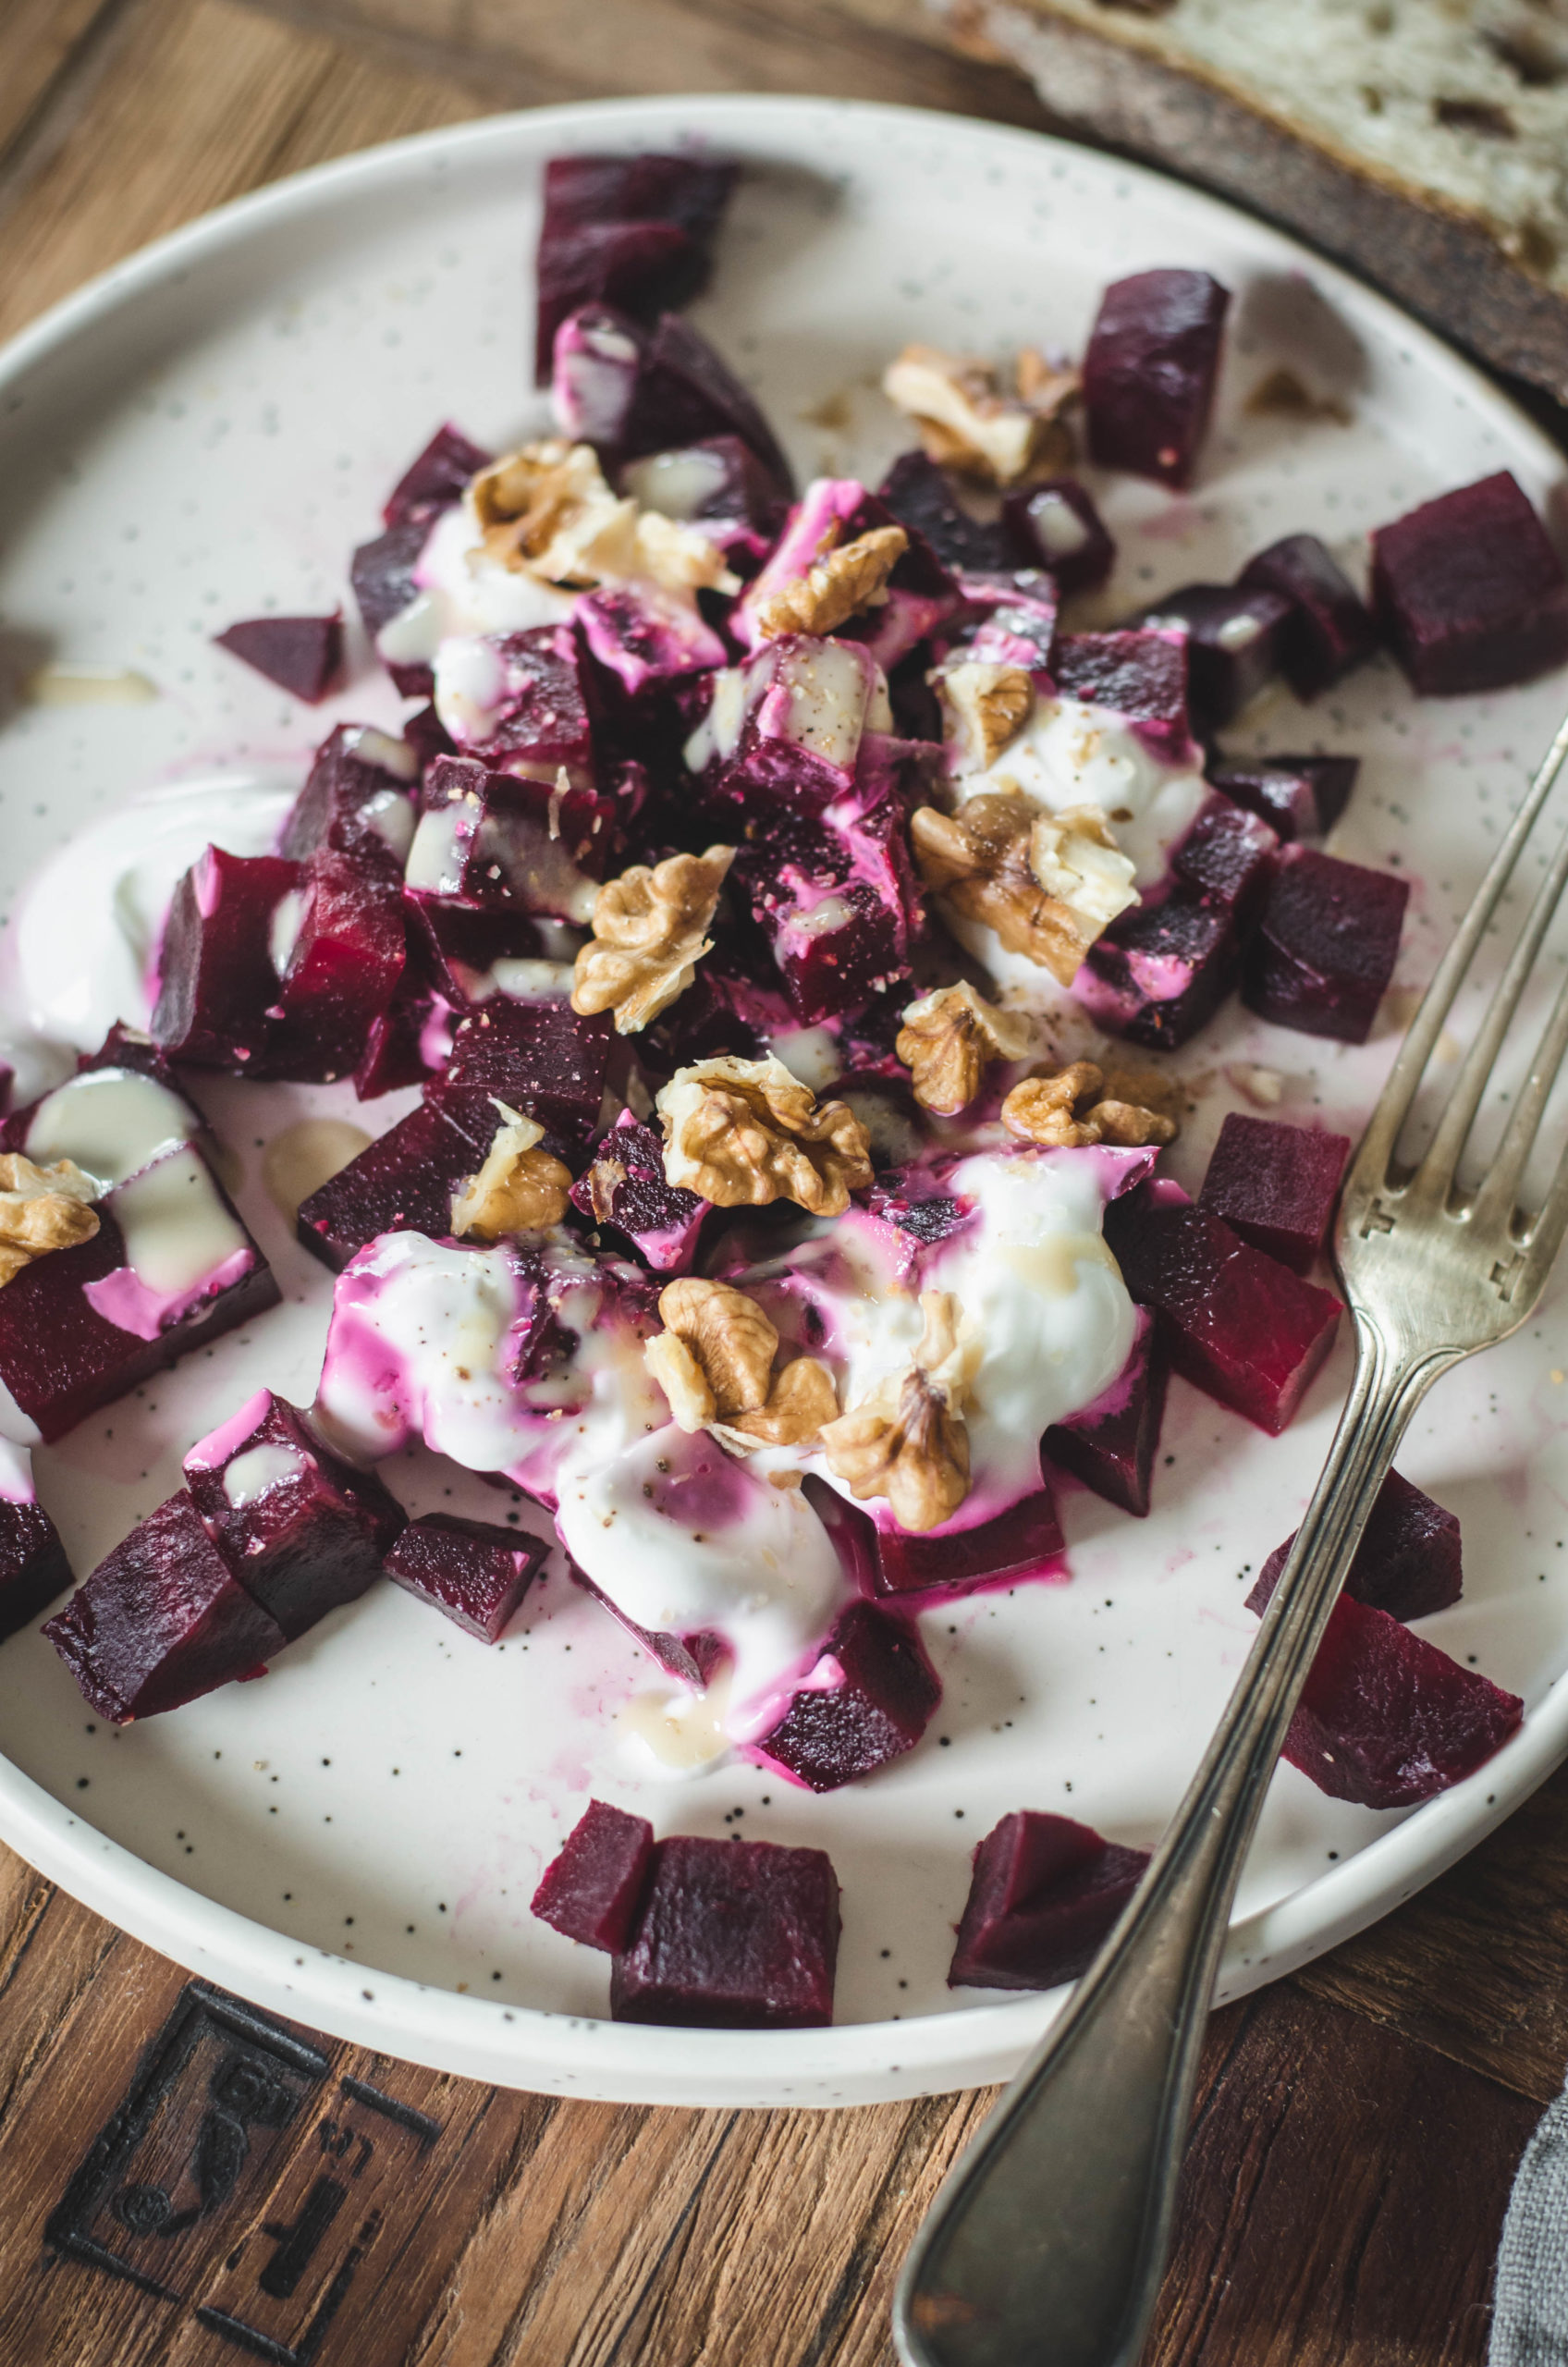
point(203, 433)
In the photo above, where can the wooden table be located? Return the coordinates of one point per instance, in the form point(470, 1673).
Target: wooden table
point(183, 2179)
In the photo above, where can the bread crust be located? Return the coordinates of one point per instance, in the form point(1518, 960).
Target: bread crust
point(1442, 261)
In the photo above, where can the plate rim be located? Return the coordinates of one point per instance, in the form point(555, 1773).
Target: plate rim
point(578, 2055)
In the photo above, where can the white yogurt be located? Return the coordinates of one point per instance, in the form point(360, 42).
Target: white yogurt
point(16, 1475)
point(1071, 753)
point(253, 1474)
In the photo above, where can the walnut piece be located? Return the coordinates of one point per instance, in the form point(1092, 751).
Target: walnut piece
point(42, 1209)
point(981, 860)
point(908, 1441)
point(1074, 857)
point(967, 422)
point(984, 709)
point(801, 1401)
point(650, 932)
point(840, 583)
point(729, 1336)
point(947, 1039)
point(1071, 1109)
point(548, 511)
point(671, 1364)
point(520, 1188)
point(744, 1133)
point(714, 1362)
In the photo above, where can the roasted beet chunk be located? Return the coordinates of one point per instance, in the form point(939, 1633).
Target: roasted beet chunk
point(1110, 1445)
point(1141, 673)
point(405, 1181)
point(500, 844)
point(1237, 1324)
point(1056, 526)
point(217, 978)
point(737, 1935)
point(1234, 634)
point(1470, 591)
point(340, 972)
point(473, 1570)
point(839, 903)
point(381, 575)
point(868, 1699)
point(629, 393)
point(623, 1187)
point(1045, 1893)
point(1299, 797)
point(1326, 946)
point(593, 1889)
point(33, 1568)
point(1387, 1719)
point(1408, 1561)
point(921, 496)
point(692, 1658)
point(1021, 1542)
point(1329, 628)
point(1149, 371)
point(160, 1621)
point(541, 1057)
point(301, 1528)
point(436, 478)
point(357, 800)
point(1165, 965)
point(1276, 1185)
point(636, 231)
point(302, 655)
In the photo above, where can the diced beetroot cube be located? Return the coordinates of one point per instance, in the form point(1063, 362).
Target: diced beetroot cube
point(1276, 1185)
point(692, 1659)
point(1057, 526)
point(302, 655)
point(406, 1042)
point(1330, 629)
point(1111, 1445)
point(732, 1936)
point(544, 1058)
point(1149, 371)
point(1225, 854)
point(1409, 1561)
point(1016, 620)
point(436, 478)
point(302, 1529)
point(1043, 1894)
point(1234, 633)
point(33, 1568)
point(160, 1621)
point(216, 977)
point(920, 496)
point(839, 902)
point(1326, 945)
point(786, 730)
point(485, 839)
point(1299, 797)
point(357, 800)
point(592, 1890)
point(537, 710)
point(685, 392)
point(644, 638)
point(719, 484)
point(1387, 1719)
point(635, 231)
point(623, 1187)
point(1469, 590)
point(1140, 673)
point(383, 575)
point(341, 971)
point(455, 946)
point(473, 1570)
point(405, 1181)
point(1020, 1543)
point(1236, 1323)
point(868, 1699)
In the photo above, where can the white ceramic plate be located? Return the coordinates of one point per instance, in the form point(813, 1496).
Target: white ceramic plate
point(204, 432)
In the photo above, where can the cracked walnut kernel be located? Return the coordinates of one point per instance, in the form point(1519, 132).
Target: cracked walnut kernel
point(744, 1133)
point(520, 1188)
point(714, 1362)
point(984, 709)
point(966, 423)
point(650, 932)
point(800, 1404)
point(980, 860)
point(908, 1441)
point(547, 512)
point(729, 1336)
point(838, 584)
point(1071, 1109)
point(42, 1209)
point(947, 1040)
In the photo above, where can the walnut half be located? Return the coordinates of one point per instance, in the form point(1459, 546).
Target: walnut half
point(520, 1188)
point(42, 1209)
point(650, 932)
point(713, 1361)
point(983, 860)
point(1071, 1109)
point(947, 1040)
point(907, 1442)
point(966, 421)
point(984, 709)
point(744, 1133)
point(839, 584)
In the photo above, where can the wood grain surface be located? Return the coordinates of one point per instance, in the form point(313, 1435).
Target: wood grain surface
point(184, 2180)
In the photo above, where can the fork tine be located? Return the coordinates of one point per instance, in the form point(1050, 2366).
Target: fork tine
point(1434, 1177)
point(1541, 1242)
point(1369, 1169)
point(1498, 1194)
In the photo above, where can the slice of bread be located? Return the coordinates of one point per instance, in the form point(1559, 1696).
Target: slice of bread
point(1423, 142)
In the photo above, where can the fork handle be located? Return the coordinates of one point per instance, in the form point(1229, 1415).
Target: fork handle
point(1048, 2240)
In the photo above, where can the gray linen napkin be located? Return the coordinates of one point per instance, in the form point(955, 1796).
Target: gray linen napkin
point(1530, 2310)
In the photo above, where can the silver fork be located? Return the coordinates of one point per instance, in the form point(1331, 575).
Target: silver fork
point(1045, 2245)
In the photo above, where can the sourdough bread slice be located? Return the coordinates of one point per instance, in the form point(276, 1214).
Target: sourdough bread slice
point(1424, 142)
